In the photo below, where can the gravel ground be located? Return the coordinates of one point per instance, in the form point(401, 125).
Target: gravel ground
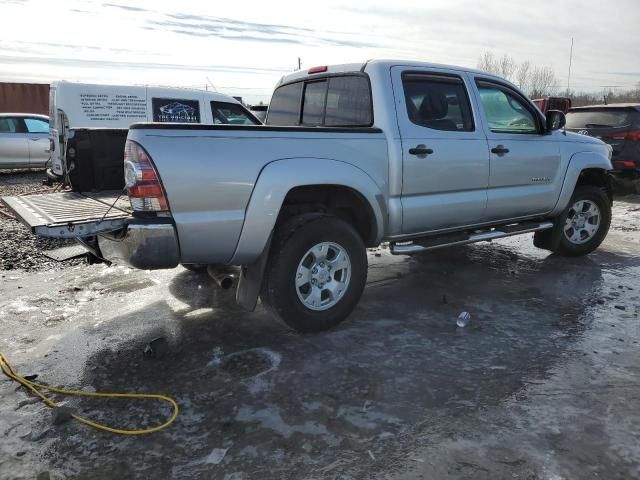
point(19, 248)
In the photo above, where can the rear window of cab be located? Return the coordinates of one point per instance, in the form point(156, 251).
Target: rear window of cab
point(334, 101)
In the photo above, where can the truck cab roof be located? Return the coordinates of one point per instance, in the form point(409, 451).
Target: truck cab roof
point(384, 63)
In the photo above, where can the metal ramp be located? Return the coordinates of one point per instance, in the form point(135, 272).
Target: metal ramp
point(71, 214)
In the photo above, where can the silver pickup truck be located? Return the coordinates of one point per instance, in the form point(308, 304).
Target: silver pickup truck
point(415, 154)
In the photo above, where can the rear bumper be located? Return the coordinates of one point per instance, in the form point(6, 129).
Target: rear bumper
point(143, 246)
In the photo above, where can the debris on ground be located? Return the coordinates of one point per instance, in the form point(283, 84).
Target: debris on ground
point(216, 456)
point(65, 253)
point(156, 348)
point(463, 319)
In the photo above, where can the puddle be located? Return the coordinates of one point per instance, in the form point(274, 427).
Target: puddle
point(250, 363)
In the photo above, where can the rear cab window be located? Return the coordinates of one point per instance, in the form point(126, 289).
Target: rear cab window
point(284, 108)
point(227, 113)
point(315, 95)
point(600, 117)
point(342, 100)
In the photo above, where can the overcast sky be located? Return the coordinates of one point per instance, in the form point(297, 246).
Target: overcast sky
point(244, 47)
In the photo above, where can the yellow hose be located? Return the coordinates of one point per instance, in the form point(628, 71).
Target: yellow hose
point(35, 388)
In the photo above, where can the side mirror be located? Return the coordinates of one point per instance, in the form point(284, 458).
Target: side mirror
point(555, 120)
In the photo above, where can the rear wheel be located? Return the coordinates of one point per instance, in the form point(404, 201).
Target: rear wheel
point(316, 272)
point(586, 222)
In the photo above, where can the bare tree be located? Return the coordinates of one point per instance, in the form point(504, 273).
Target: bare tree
point(507, 67)
point(536, 81)
point(542, 82)
point(488, 63)
point(522, 75)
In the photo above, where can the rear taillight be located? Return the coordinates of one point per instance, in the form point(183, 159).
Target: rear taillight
point(631, 135)
point(624, 163)
point(143, 183)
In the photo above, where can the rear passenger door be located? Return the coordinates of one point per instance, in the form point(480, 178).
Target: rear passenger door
point(526, 173)
point(14, 150)
point(38, 140)
point(444, 151)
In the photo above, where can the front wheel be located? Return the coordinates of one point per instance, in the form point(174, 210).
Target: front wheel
point(316, 272)
point(586, 221)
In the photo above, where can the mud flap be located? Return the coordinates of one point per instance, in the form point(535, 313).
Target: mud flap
point(550, 239)
point(544, 239)
point(250, 281)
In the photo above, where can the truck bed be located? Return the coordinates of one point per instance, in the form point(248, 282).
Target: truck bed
point(71, 214)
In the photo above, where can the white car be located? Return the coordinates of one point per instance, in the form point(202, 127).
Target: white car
point(24, 140)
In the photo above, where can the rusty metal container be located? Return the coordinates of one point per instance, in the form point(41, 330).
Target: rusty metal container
point(24, 97)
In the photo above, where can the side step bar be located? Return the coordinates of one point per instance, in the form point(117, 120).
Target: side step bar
point(447, 240)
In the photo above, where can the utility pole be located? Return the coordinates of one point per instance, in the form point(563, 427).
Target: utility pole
point(299, 63)
point(570, 62)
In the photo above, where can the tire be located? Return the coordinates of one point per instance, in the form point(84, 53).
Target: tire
point(589, 195)
point(340, 279)
point(195, 267)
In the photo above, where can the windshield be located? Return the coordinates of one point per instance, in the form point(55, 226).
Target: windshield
point(599, 117)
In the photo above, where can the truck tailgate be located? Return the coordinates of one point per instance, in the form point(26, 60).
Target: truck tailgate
point(71, 214)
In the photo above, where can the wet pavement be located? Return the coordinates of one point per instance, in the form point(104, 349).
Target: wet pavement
point(543, 383)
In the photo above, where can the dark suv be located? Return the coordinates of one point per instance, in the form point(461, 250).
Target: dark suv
point(619, 126)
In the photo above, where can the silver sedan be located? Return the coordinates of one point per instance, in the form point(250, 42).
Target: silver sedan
point(24, 140)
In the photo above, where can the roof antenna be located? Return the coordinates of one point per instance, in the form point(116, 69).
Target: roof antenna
point(570, 62)
point(211, 83)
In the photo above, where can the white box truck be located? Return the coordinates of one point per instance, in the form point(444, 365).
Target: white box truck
point(89, 124)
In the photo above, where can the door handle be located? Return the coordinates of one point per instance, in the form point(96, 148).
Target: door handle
point(34, 139)
point(500, 150)
point(420, 150)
